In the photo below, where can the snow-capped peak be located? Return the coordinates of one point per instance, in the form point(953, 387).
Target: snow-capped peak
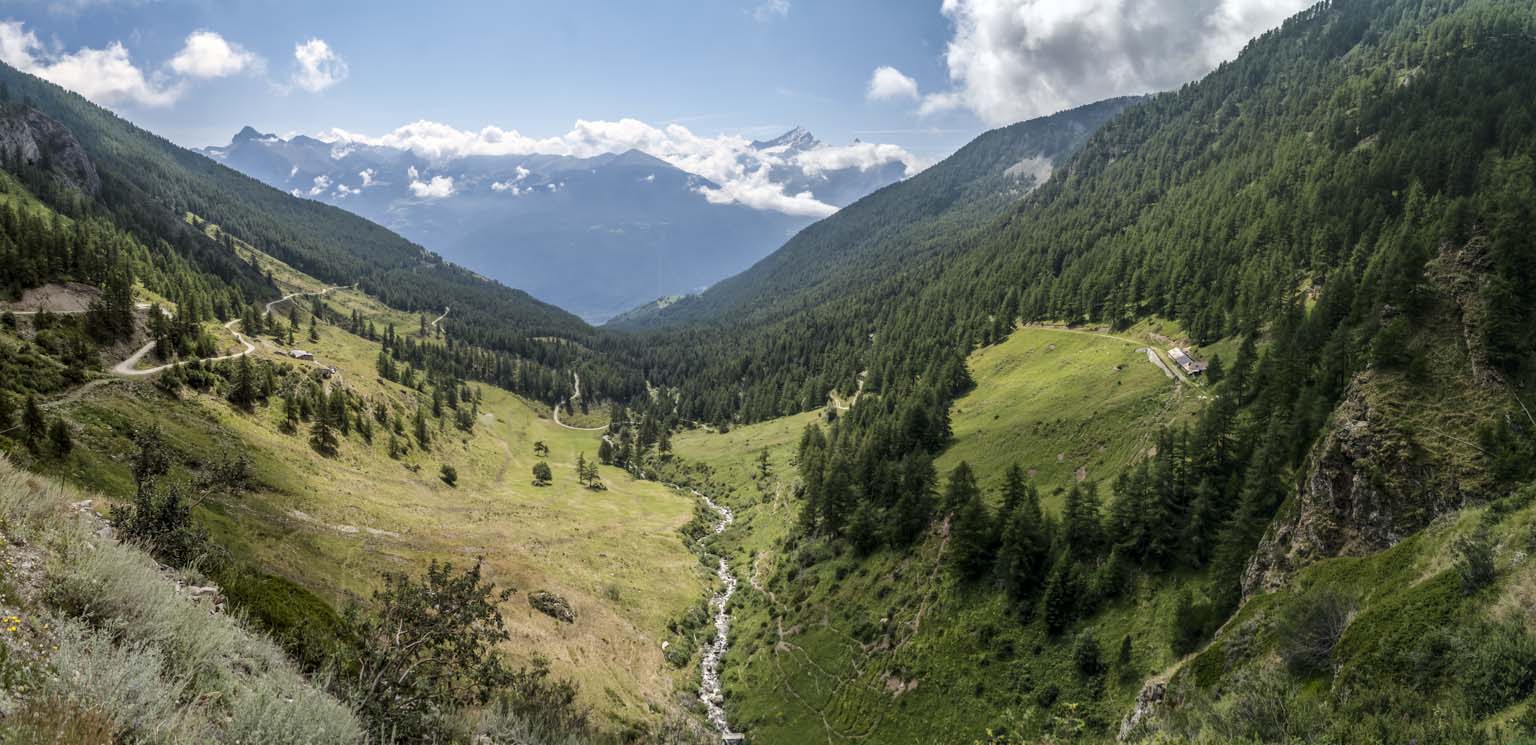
point(795, 139)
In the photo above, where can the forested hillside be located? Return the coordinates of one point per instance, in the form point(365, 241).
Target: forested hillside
point(147, 186)
point(945, 205)
point(1346, 210)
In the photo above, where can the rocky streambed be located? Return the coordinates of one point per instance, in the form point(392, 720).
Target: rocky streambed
point(709, 679)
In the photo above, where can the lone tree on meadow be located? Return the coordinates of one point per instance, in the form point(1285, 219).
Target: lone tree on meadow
point(542, 476)
point(449, 475)
point(591, 477)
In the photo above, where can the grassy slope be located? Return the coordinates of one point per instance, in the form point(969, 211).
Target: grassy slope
point(100, 644)
point(888, 649)
point(1057, 400)
point(334, 525)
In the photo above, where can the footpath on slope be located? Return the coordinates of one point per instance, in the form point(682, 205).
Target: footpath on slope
point(576, 385)
point(128, 366)
point(127, 369)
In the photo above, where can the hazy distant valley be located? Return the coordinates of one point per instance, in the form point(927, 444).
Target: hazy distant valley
point(596, 234)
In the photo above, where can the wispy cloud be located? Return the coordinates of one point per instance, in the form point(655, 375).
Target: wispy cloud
point(318, 66)
point(770, 9)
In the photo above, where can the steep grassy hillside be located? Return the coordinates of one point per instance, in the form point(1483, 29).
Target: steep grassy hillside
point(332, 524)
point(100, 644)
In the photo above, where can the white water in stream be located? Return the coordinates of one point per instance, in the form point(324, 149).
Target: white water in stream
point(709, 683)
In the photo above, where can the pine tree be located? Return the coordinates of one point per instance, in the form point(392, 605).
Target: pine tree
point(33, 426)
point(914, 501)
point(605, 452)
point(836, 497)
point(864, 528)
point(581, 468)
point(972, 538)
point(962, 487)
point(59, 438)
point(321, 437)
point(243, 392)
point(1080, 520)
point(1060, 599)
point(1015, 490)
point(423, 436)
point(1024, 550)
point(291, 412)
point(341, 417)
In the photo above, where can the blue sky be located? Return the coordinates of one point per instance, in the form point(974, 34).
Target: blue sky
point(750, 67)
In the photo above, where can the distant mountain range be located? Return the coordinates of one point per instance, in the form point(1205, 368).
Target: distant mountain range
point(961, 194)
point(596, 235)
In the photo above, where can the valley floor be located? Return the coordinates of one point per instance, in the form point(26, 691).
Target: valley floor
point(333, 525)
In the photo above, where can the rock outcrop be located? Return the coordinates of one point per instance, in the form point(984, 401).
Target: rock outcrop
point(552, 605)
point(1367, 484)
point(1148, 704)
point(32, 137)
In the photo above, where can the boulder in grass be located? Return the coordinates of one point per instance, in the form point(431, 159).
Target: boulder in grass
point(552, 605)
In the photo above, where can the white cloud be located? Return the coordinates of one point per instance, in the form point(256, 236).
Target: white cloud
point(106, 76)
point(322, 182)
point(366, 175)
point(770, 9)
point(510, 186)
point(208, 55)
point(319, 67)
point(741, 173)
point(411, 173)
point(861, 155)
point(754, 189)
point(522, 173)
point(439, 187)
point(889, 83)
point(1015, 59)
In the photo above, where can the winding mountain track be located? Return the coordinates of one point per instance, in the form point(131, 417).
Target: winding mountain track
point(128, 367)
point(576, 384)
